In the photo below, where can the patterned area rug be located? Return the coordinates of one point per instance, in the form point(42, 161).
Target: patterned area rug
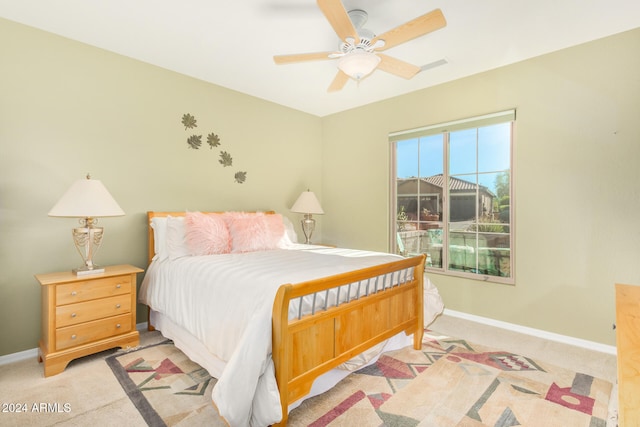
point(450, 382)
point(166, 387)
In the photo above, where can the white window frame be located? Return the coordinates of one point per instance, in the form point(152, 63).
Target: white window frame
point(474, 122)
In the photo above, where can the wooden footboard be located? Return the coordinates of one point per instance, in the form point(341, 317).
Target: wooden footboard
point(388, 300)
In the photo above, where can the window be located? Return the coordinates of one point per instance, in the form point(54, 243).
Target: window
point(452, 193)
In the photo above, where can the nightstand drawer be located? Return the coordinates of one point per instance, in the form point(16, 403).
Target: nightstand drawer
point(92, 288)
point(73, 336)
point(72, 314)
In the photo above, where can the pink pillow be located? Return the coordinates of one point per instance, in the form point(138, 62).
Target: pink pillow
point(254, 232)
point(207, 234)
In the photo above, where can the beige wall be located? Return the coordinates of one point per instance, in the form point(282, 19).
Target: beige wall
point(577, 203)
point(67, 109)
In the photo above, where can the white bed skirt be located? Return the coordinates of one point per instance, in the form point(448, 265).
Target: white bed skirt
point(197, 352)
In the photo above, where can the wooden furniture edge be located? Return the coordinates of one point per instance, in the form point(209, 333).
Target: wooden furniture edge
point(56, 362)
point(68, 276)
point(628, 345)
point(326, 325)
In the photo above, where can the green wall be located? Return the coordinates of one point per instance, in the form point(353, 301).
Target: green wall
point(67, 109)
point(577, 180)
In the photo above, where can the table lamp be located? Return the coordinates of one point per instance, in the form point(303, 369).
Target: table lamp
point(87, 199)
point(307, 204)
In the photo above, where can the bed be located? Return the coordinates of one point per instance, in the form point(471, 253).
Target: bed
point(281, 321)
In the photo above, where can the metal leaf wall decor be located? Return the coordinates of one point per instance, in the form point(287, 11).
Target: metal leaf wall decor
point(189, 121)
point(194, 141)
point(225, 159)
point(240, 177)
point(213, 140)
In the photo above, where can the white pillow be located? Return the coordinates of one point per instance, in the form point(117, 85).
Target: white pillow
point(159, 226)
point(176, 238)
point(290, 235)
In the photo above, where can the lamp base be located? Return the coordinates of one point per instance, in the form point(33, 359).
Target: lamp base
point(308, 225)
point(87, 240)
point(84, 271)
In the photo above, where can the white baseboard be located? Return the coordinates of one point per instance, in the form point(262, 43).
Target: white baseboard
point(21, 355)
point(578, 342)
point(33, 352)
point(142, 326)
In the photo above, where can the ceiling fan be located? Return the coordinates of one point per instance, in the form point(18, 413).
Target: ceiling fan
point(359, 53)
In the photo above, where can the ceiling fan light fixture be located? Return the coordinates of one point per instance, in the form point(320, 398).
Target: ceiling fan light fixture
point(358, 63)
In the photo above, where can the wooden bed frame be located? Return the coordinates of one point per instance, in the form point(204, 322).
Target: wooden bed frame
point(308, 346)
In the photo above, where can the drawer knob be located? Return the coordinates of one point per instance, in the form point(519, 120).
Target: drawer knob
point(118, 326)
point(73, 315)
point(117, 305)
point(74, 293)
point(73, 337)
point(118, 286)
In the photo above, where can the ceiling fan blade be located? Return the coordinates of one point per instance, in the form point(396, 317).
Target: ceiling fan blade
point(339, 19)
point(338, 82)
point(302, 57)
point(397, 67)
point(420, 26)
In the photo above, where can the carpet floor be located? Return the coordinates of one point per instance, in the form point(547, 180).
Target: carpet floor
point(88, 392)
point(450, 382)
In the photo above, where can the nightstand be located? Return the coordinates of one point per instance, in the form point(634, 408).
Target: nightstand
point(82, 315)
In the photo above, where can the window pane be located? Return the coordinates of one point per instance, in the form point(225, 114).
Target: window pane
point(497, 185)
point(462, 196)
point(431, 205)
point(407, 158)
point(433, 247)
point(494, 152)
point(494, 254)
point(419, 190)
point(407, 208)
point(431, 155)
point(488, 200)
point(462, 253)
point(462, 152)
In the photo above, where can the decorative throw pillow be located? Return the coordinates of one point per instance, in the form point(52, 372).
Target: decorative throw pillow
point(254, 232)
point(207, 234)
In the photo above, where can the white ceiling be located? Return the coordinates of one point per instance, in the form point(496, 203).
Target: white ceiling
point(231, 43)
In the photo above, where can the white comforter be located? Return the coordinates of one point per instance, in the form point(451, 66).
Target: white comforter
point(226, 302)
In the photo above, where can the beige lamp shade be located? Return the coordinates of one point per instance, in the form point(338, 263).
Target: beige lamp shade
point(86, 198)
point(307, 203)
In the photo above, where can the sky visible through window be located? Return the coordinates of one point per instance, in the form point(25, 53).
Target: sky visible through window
point(485, 150)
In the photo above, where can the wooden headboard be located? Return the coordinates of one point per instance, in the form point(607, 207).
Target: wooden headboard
point(152, 214)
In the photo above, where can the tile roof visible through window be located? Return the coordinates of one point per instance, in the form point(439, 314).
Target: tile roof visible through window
point(458, 185)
